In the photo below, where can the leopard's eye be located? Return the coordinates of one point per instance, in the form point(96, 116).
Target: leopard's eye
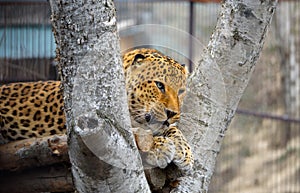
point(160, 86)
point(181, 91)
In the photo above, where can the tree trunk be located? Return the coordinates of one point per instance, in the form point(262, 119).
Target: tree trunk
point(218, 82)
point(102, 150)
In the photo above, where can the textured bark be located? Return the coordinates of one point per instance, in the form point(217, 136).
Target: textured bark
point(33, 152)
point(217, 84)
point(102, 150)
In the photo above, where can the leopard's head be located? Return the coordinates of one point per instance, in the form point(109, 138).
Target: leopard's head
point(156, 87)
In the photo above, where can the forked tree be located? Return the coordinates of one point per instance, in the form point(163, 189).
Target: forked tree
point(88, 54)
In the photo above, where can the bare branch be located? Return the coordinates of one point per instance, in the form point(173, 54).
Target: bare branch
point(218, 82)
point(102, 150)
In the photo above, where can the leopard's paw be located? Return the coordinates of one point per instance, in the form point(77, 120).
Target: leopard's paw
point(183, 157)
point(162, 152)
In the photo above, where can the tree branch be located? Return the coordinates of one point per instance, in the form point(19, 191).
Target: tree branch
point(102, 150)
point(218, 82)
point(33, 152)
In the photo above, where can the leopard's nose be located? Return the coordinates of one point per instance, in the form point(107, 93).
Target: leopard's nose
point(170, 114)
point(148, 117)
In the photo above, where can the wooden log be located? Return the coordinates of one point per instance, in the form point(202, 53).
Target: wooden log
point(55, 178)
point(34, 152)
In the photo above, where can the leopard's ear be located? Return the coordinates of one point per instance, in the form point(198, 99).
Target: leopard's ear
point(132, 57)
point(138, 58)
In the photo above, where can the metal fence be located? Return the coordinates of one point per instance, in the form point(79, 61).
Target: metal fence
point(26, 41)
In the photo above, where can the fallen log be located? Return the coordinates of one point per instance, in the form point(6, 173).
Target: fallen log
point(42, 164)
point(34, 152)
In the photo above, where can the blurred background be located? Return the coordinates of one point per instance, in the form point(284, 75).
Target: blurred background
point(261, 151)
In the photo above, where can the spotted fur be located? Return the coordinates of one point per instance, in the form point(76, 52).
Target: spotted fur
point(155, 87)
point(31, 110)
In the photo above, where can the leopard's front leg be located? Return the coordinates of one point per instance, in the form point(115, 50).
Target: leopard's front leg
point(157, 151)
point(183, 157)
point(162, 150)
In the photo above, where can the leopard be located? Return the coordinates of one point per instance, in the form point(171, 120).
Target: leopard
point(155, 85)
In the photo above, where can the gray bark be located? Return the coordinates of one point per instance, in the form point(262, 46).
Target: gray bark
point(217, 84)
point(102, 150)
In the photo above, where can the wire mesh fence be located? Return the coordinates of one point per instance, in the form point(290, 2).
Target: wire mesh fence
point(26, 42)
